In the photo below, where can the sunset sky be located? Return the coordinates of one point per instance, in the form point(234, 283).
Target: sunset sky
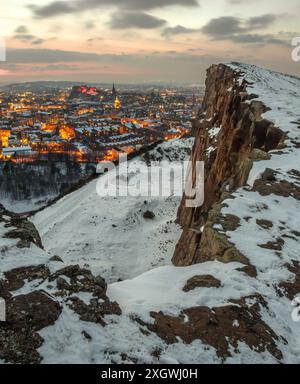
point(143, 40)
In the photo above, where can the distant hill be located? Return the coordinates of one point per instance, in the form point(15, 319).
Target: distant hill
point(39, 85)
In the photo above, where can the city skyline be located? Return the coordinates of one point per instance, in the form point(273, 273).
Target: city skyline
point(134, 40)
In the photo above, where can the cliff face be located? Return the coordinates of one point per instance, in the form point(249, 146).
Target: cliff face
point(231, 134)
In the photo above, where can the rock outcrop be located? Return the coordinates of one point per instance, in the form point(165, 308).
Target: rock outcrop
point(231, 134)
point(36, 297)
point(19, 228)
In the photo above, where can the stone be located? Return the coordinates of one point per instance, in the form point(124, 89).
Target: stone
point(57, 259)
point(205, 281)
point(15, 278)
point(148, 215)
point(260, 155)
point(222, 328)
point(26, 315)
point(81, 280)
point(95, 311)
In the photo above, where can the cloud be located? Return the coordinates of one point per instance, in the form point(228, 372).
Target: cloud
point(257, 39)
point(242, 31)
point(23, 34)
point(24, 37)
point(52, 9)
point(31, 55)
point(21, 29)
point(38, 41)
point(92, 39)
point(89, 24)
point(178, 30)
point(58, 8)
point(261, 22)
point(140, 20)
point(223, 26)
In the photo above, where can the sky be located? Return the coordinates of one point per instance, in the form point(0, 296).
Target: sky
point(135, 41)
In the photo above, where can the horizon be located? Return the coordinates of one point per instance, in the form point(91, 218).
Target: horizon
point(131, 42)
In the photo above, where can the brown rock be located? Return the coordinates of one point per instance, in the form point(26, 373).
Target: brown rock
point(95, 311)
point(26, 315)
point(205, 281)
point(265, 224)
point(223, 328)
point(15, 279)
point(245, 137)
point(292, 288)
point(250, 270)
point(81, 280)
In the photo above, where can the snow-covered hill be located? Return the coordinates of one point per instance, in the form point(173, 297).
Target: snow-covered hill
point(110, 234)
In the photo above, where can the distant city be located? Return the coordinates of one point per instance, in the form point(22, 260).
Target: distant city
point(90, 124)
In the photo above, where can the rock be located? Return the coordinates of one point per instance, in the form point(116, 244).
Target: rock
point(26, 315)
point(57, 259)
point(149, 215)
point(265, 224)
point(20, 228)
point(81, 280)
point(62, 284)
point(269, 186)
point(87, 335)
point(273, 245)
point(250, 270)
point(35, 310)
point(223, 328)
point(205, 281)
point(291, 288)
point(245, 136)
point(15, 279)
point(19, 347)
point(95, 311)
point(259, 155)
point(269, 175)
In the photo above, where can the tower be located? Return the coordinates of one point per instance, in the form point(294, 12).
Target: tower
point(117, 103)
point(114, 91)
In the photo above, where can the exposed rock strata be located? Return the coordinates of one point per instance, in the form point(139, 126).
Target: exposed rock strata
point(230, 135)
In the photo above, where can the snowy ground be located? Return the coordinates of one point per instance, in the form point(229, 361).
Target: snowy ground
point(110, 234)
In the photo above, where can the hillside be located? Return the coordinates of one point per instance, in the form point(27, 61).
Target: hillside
point(236, 269)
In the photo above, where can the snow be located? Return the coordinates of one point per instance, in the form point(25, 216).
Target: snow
point(109, 234)
point(213, 133)
point(157, 289)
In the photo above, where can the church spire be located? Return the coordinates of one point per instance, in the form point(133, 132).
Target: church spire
point(114, 91)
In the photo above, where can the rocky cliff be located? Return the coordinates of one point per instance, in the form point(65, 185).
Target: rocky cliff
point(232, 134)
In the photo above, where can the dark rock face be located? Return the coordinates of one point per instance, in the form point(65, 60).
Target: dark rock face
point(242, 136)
point(26, 315)
point(35, 310)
